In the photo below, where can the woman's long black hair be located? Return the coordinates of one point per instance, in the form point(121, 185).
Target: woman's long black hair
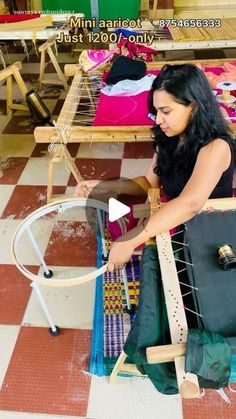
point(187, 84)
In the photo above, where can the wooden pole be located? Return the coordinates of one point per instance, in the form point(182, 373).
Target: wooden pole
point(187, 382)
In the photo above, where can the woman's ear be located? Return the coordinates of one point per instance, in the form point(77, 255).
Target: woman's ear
point(194, 107)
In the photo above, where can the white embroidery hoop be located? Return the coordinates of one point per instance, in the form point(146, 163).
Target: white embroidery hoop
point(59, 206)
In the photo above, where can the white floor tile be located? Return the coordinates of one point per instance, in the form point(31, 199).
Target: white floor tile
point(7, 230)
point(70, 307)
point(5, 193)
point(131, 168)
point(36, 173)
point(101, 150)
point(29, 68)
point(12, 58)
point(66, 58)
point(26, 253)
point(8, 336)
point(69, 192)
point(130, 398)
point(4, 119)
point(17, 145)
point(187, 54)
point(52, 76)
point(63, 95)
point(76, 212)
point(50, 103)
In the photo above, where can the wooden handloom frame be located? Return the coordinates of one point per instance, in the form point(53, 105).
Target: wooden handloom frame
point(90, 134)
point(46, 48)
point(8, 73)
point(190, 9)
point(187, 383)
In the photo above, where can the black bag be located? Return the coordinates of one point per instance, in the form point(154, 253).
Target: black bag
point(39, 111)
point(125, 68)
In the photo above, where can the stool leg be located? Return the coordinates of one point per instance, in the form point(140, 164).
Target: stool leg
point(44, 306)
point(38, 252)
point(120, 361)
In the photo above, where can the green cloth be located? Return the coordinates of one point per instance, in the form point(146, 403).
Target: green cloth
point(209, 356)
point(150, 327)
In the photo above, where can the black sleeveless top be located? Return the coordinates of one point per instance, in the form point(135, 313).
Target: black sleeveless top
point(174, 183)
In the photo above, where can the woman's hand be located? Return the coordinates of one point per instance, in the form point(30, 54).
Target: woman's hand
point(120, 253)
point(85, 187)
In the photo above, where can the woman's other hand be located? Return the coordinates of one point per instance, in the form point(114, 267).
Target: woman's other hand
point(120, 254)
point(85, 187)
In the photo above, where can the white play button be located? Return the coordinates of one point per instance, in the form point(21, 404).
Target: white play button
point(117, 209)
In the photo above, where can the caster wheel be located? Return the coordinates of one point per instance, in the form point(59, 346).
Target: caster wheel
point(130, 310)
point(54, 333)
point(49, 275)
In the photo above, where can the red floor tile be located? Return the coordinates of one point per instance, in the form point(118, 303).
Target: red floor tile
point(41, 150)
point(14, 293)
point(50, 91)
point(34, 58)
point(72, 244)
point(208, 54)
point(48, 374)
point(27, 198)
point(20, 124)
point(138, 150)
point(3, 106)
point(51, 69)
point(32, 79)
point(97, 169)
point(212, 406)
point(83, 106)
point(11, 169)
point(73, 149)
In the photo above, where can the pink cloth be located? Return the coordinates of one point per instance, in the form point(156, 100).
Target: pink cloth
point(133, 50)
point(133, 110)
point(222, 73)
point(123, 110)
point(92, 59)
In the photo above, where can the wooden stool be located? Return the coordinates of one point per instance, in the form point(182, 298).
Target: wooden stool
point(47, 48)
point(8, 74)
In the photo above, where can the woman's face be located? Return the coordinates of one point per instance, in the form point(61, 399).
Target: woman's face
point(172, 117)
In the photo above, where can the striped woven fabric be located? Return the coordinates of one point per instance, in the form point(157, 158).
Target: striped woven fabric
point(111, 323)
point(116, 321)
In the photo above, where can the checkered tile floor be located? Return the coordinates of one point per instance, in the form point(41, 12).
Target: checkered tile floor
point(43, 376)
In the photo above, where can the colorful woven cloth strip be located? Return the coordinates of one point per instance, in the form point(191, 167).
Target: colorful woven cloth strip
point(110, 334)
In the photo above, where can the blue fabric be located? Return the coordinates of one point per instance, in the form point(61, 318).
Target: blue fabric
point(125, 32)
point(96, 356)
point(232, 377)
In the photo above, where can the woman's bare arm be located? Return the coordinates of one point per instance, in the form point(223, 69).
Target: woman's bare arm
point(135, 186)
point(212, 161)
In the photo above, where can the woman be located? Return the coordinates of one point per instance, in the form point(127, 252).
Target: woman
point(193, 159)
